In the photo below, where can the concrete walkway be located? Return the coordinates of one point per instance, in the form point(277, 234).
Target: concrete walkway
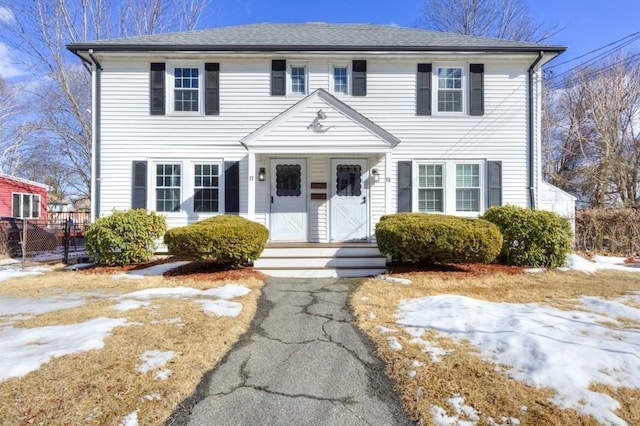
point(301, 363)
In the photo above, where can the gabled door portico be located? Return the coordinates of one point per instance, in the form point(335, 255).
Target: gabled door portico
point(310, 172)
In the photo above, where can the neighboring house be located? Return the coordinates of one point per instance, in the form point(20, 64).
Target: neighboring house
point(315, 130)
point(22, 198)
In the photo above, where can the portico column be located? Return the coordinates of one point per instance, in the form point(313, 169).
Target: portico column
point(251, 187)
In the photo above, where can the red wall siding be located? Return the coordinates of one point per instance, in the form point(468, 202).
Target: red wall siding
point(8, 186)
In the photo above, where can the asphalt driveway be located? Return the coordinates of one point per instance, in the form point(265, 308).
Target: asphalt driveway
point(302, 362)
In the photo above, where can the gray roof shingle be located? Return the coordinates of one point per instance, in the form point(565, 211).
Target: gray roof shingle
point(310, 37)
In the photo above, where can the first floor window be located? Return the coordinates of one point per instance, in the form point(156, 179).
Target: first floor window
point(26, 205)
point(430, 188)
point(168, 187)
point(206, 188)
point(298, 80)
point(340, 80)
point(467, 187)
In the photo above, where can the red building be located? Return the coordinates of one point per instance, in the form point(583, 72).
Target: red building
point(22, 198)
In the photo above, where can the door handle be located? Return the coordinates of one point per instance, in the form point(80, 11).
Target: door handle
point(272, 199)
point(364, 199)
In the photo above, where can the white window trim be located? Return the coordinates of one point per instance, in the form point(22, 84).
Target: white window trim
point(332, 67)
point(187, 185)
point(171, 97)
point(290, 66)
point(31, 195)
point(465, 89)
point(449, 185)
point(444, 184)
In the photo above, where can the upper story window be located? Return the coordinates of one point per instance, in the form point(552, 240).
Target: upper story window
point(298, 80)
point(340, 80)
point(186, 83)
point(450, 89)
point(26, 206)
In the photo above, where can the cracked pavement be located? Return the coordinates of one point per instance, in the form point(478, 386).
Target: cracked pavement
point(301, 362)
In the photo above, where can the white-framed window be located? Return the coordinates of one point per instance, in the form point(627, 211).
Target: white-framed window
point(340, 79)
point(298, 79)
point(431, 188)
point(206, 187)
point(186, 88)
point(468, 187)
point(26, 206)
point(168, 178)
point(449, 186)
point(449, 84)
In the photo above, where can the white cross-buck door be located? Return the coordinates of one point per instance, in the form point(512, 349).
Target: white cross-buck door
point(288, 213)
point(349, 200)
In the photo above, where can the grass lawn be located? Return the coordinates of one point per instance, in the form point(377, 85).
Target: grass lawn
point(450, 380)
point(151, 360)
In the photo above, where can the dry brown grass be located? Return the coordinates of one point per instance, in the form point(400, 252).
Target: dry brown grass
point(103, 386)
point(463, 372)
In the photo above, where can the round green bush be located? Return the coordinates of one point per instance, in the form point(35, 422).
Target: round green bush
point(536, 238)
point(225, 239)
point(125, 236)
point(432, 238)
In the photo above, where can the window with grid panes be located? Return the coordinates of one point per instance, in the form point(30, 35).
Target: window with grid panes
point(168, 181)
point(206, 188)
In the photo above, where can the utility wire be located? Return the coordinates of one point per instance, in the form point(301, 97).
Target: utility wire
point(593, 51)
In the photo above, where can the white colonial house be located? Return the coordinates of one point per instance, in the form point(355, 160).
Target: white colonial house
point(315, 130)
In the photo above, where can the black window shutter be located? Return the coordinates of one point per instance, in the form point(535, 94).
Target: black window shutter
point(212, 88)
point(278, 77)
point(157, 88)
point(359, 78)
point(232, 187)
point(404, 186)
point(494, 179)
point(139, 185)
point(423, 95)
point(476, 72)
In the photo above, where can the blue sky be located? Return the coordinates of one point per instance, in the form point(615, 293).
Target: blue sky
point(585, 24)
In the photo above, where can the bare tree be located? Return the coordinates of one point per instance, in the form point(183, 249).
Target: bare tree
point(505, 19)
point(592, 145)
point(61, 96)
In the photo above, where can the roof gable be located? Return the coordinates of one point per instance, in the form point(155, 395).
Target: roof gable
point(319, 123)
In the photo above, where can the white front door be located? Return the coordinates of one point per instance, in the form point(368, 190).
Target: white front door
point(288, 213)
point(349, 200)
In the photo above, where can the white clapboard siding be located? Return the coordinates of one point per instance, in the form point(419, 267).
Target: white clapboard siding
point(128, 132)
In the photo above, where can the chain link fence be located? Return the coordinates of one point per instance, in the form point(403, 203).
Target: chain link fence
point(42, 240)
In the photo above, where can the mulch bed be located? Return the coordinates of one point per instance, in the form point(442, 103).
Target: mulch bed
point(202, 270)
point(454, 270)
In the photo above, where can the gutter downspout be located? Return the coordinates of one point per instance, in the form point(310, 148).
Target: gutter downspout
point(95, 136)
point(532, 190)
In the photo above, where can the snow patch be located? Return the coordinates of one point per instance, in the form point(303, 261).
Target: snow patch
point(395, 280)
point(130, 419)
point(163, 374)
point(154, 359)
point(221, 308)
point(394, 344)
point(157, 269)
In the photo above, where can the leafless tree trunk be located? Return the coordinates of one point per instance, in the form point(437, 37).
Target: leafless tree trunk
point(505, 19)
point(61, 102)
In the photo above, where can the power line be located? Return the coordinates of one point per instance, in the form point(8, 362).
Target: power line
point(594, 50)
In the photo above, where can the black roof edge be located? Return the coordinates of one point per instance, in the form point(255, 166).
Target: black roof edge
point(75, 47)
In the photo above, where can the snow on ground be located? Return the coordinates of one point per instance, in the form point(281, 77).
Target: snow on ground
point(25, 349)
point(154, 359)
point(158, 269)
point(578, 263)
point(541, 345)
point(131, 419)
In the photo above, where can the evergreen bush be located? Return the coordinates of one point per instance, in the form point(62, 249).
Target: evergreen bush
point(125, 236)
point(433, 238)
point(225, 239)
point(536, 238)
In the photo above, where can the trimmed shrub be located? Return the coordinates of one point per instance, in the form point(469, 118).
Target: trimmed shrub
point(432, 238)
point(125, 236)
point(225, 239)
point(536, 238)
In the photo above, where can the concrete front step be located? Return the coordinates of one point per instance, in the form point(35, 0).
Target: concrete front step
point(321, 260)
point(322, 272)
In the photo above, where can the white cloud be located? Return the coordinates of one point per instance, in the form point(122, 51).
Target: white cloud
point(6, 15)
point(8, 68)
